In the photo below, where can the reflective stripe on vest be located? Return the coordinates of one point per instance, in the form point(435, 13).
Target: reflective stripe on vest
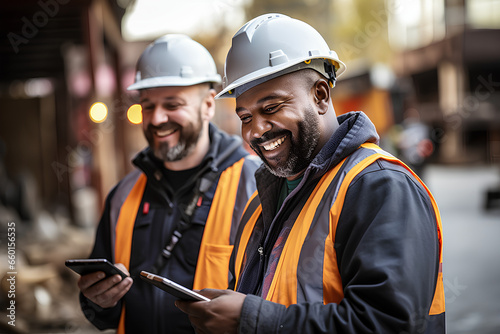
point(296, 277)
point(215, 248)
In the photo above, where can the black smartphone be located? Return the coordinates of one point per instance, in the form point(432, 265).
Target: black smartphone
point(171, 287)
point(87, 266)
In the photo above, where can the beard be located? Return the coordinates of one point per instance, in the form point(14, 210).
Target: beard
point(302, 147)
point(188, 139)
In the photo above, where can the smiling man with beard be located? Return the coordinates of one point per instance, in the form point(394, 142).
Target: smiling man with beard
point(177, 214)
point(176, 135)
point(286, 149)
point(341, 237)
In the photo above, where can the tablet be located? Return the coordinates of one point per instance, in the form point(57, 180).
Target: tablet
point(87, 266)
point(171, 287)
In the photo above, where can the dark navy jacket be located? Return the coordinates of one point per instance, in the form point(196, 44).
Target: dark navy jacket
point(386, 242)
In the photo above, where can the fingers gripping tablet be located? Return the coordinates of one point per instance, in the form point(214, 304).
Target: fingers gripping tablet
point(171, 287)
point(87, 266)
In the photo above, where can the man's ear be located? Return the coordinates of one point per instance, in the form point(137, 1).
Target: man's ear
point(209, 104)
point(322, 95)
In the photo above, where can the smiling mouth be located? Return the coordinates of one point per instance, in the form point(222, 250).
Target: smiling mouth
point(275, 144)
point(166, 132)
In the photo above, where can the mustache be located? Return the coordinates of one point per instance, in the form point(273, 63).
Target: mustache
point(268, 136)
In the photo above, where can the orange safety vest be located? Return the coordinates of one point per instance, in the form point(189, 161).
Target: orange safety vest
point(287, 286)
point(215, 250)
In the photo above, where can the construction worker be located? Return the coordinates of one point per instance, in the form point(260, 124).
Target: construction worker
point(342, 237)
point(177, 214)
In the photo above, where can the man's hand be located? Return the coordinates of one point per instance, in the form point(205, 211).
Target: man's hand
point(220, 315)
point(105, 292)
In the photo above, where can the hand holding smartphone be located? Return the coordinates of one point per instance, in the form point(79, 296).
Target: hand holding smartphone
point(171, 287)
point(87, 266)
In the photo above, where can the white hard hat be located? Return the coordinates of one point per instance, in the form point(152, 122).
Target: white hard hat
point(271, 45)
point(174, 60)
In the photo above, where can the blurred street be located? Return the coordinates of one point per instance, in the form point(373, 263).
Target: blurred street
point(471, 263)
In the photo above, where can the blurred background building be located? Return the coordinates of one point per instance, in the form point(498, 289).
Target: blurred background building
point(69, 128)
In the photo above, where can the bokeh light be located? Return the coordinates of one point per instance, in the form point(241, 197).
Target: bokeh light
point(134, 114)
point(98, 112)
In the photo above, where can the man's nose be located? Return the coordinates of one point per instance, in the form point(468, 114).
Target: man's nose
point(260, 125)
point(160, 116)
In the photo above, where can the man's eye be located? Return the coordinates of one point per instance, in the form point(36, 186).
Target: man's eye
point(245, 119)
point(271, 108)
point(171, 106)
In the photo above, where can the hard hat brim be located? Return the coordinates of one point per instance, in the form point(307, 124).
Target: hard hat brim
point(267, 71)
point(168, 81)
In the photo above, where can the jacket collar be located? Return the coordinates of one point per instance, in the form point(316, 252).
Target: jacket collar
point(355, 128)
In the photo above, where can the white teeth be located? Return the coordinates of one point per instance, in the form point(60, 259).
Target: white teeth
point(164, 133)
point(275, 144)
